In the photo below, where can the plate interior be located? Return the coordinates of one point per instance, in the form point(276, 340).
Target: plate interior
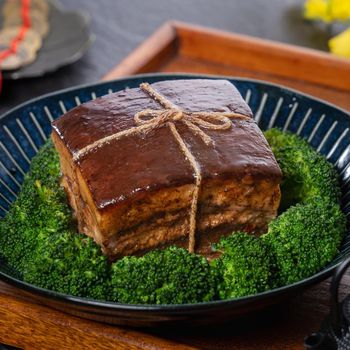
point(24, 129)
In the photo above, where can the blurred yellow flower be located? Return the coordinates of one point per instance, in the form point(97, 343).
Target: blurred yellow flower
point(340, 9)
point(318, 9)
point(340, 44)
point(329, 11)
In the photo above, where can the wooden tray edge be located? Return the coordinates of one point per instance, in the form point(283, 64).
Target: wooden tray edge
point(310, 65)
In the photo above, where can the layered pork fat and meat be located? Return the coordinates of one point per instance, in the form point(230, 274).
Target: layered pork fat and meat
point(134, 194)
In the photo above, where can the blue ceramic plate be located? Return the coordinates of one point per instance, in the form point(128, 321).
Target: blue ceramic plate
point(24, 129)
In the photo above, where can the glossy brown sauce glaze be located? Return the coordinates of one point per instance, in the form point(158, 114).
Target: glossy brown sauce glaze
point(129, 168)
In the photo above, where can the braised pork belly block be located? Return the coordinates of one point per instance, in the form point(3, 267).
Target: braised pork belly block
point(132, 186)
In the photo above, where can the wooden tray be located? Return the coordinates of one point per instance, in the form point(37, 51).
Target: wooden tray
point(178, 47)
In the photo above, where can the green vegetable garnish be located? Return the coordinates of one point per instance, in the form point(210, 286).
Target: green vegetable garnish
point(39, 239)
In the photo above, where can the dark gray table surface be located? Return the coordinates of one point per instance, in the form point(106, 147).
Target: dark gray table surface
point(121, 25)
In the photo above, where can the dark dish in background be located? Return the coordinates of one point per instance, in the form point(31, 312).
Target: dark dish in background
point(64, 40)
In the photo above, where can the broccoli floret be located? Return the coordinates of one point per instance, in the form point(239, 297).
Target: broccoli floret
point(69, 263)
point(306, 173)
point(305, 238)
point(38, 236)
point(39, 210)
point(169, 276)
point(245, 266)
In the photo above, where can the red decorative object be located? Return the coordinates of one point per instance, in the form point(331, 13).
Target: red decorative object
point(16, 41)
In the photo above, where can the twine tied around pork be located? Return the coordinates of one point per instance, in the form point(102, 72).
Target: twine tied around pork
point(151, 119)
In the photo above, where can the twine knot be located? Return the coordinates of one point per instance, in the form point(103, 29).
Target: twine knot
point(158, 117)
